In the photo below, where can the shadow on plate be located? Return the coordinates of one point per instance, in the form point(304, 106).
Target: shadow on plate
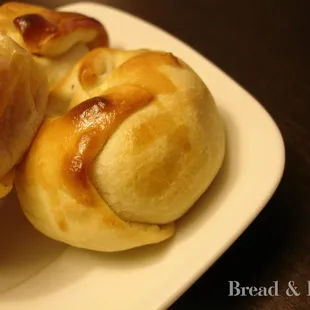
point(73, 266)
point(32, 265)
point(24, 251)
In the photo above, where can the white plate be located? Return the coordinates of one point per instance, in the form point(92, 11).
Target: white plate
point(38, 273)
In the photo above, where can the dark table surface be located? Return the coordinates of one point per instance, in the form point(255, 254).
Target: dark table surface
point(265, 46)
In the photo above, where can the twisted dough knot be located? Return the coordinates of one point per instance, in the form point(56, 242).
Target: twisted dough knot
point(56, 39)
point(139, 141)
point(49, 33)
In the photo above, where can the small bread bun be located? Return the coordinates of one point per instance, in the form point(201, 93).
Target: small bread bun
point(56, 39)
point(23, 101)
point(141, 141)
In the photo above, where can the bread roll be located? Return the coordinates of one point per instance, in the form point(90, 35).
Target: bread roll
point(57, 40)
point(140, 143)
point(23, 100)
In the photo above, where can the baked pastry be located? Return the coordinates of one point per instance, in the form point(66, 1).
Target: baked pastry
point(85, 76)
point(141, 141)
point(56, 39)
point(23, 101)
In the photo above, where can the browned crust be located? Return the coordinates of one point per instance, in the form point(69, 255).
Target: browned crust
point(87, 73)
point(41, 28)
point(147, 62)
point(91, 124)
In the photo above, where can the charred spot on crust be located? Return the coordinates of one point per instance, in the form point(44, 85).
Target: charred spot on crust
point(34, 28)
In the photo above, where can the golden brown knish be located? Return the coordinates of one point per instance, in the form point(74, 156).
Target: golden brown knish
point(23, 101)
point(56, 39)
point(140, 143)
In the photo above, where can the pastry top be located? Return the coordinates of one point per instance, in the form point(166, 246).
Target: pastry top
point(23, 101)
point(88, 73)
point(57, 40)
point(49, 33)
point(141, 141)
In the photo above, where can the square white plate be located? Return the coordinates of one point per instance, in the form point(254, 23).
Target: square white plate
point(38, 273)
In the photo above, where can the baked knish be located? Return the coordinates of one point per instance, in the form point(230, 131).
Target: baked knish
point(23, 101)
point(57, 40)
point(139, 142)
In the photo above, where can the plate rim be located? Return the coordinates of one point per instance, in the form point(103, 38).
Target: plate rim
point(195, 274)
point(182, 288)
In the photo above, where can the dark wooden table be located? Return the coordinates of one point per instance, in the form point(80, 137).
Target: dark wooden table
point(265, 46)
